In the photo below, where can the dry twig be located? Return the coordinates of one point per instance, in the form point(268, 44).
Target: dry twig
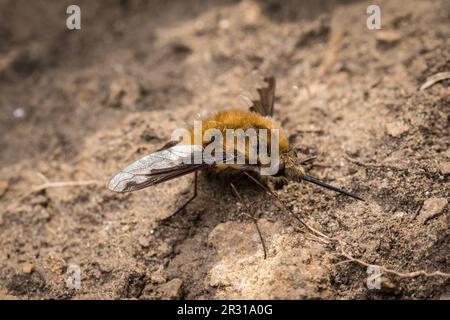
point(413, 274)
point(60, 184)
point(434, 79)
point(373, 165)
point(316, 235)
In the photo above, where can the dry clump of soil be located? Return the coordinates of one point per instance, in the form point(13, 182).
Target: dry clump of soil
point(78, 106)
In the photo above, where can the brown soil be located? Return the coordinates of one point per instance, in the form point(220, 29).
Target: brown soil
point(96, 99)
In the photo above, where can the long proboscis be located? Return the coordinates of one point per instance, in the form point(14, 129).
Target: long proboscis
point(328, 186)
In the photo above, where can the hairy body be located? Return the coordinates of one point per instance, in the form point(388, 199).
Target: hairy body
point(235, 119)
point(169, 162)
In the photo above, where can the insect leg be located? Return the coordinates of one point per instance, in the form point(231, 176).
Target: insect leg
point(270, 192)
point(250, 214)
point(326, 185)
point(307, 161)
point(283, 206)
point(191, 198)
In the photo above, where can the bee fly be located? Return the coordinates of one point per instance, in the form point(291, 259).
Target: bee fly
point(175, 158)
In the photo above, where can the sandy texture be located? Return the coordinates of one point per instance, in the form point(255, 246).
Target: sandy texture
point(79, 106)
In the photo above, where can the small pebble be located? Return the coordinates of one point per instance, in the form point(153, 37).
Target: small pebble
point(388, 286)
point(172, 289)
point(27, 267)
point(432, 208)
point(144, 241)
point(224, 24)
point(444, 168)
point(388, 37)
point(396, 128)
point(19, 113)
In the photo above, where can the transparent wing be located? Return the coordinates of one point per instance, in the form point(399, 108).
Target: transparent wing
point(158, 167)
point(249, 87)
point(258, 93)
point(163, 165)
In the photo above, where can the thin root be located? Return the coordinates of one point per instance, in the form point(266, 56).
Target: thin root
point(60, 184)
point(434, 79)
point(413, 274)
point(373, 165)
point(321, 237)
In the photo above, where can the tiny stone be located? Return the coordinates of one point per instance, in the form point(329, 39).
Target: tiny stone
point(388, 37)
point(396, 129)
point(158, 276)
point(19, 113)
point(44, 215)
point(39, 200)
point(444, 168)
point(172, 289)
point(400, 214)
point(144, 241)
point(388, 286)
point(27, 267)
point(224, 24)
point(431, 208)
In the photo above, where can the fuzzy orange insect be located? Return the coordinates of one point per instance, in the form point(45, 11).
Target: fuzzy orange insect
point(170, 161)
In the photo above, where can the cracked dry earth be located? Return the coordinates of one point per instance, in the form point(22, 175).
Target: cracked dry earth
point(78, 106)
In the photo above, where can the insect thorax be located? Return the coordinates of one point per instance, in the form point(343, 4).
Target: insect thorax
point(231, 123)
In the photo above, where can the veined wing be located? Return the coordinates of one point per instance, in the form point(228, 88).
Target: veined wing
point(259, 93)
point(158, 167)
point(164, 165)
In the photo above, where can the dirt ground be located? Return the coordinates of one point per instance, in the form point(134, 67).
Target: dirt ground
point(76, 106)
